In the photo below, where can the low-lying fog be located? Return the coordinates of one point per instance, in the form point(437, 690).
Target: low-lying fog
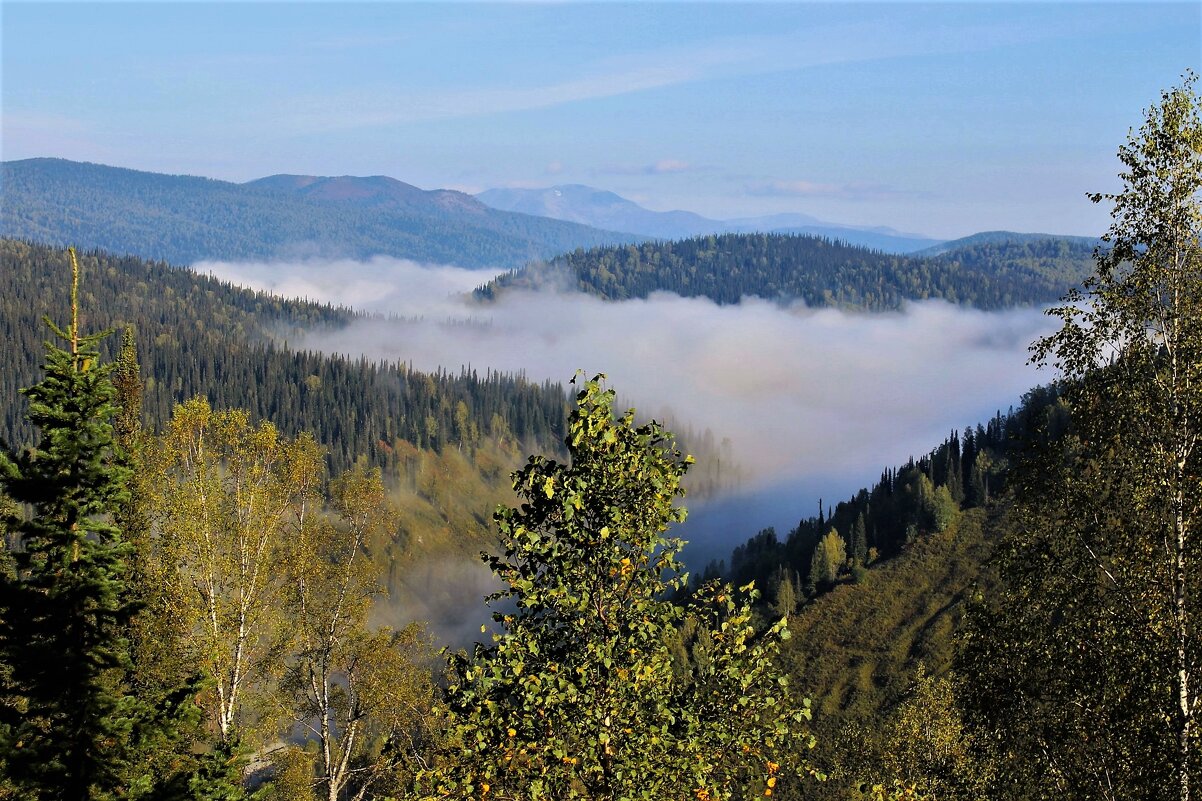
point(815, 402)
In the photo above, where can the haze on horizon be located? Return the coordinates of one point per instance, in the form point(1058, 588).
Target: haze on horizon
point(941, 119)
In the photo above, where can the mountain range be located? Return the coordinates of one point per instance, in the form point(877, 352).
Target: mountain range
point(601, 209)
point(184, 219)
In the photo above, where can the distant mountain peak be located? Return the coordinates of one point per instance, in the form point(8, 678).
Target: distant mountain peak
point(603, 209)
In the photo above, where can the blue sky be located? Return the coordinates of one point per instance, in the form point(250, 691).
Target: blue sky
point(941, 119)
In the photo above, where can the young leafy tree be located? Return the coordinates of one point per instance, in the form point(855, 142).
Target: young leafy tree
point(579, 696)
point(928, 746)
point(230, 499)
point(1086, 664)
point(828, 560)
point(784, 600)
point(69, 726)
point(362, 695)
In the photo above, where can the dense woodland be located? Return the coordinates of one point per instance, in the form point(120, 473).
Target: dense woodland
point(184, 219)
point(200, 336)
point(817, 271)
point(877, 587)
point(191, 605)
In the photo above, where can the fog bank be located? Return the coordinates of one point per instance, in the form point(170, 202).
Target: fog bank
point(815, 401)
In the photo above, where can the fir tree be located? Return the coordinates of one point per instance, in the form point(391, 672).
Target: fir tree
point(68, 728)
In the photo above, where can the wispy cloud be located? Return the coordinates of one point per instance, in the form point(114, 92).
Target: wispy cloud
point(638, 72)
point(661, 167)
point(366, 109)
point(854, 191)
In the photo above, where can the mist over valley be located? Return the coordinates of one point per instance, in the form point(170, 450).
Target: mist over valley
point(815, 402)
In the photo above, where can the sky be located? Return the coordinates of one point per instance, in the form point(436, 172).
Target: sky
point(939, 119)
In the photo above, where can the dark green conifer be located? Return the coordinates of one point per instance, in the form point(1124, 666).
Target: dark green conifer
point(859, 541)
point(69, 728)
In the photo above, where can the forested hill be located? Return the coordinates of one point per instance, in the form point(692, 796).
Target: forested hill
point(199, 336)
point(877, 585)
point(1004, 238)
point(818, 271)
point(184, 219)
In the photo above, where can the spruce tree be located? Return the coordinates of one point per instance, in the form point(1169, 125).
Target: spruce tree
point(68, 729)
point(859, 541)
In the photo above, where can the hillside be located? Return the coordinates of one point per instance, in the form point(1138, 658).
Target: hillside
point(918, 548)
point(1005, 238)
point(817, 271)
point(197, 335)
point(609, 211)
point(184, 219)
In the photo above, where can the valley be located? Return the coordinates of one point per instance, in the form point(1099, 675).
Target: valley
point(591, 402)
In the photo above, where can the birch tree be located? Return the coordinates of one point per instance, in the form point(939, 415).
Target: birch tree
point(231, 497)
point(362, 695)
point(1087, 666)
point(588, 690)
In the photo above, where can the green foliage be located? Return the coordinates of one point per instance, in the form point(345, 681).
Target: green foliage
point(728, 267)
point(69, 726)
point(1082, 666)
point(215, 775)
point(828, 560)
point(936, 508)
point(579, 696)
point(859, 542)
point(927, 744)
point(785, 597)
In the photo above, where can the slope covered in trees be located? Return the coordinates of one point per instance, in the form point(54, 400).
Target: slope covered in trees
point(184, 219)
point(877, 615)
point(199, 336)
point(818, 271)
point(1065, 668)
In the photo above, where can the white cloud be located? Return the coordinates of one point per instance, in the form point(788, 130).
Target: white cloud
point(815, 402)
point(801, 392)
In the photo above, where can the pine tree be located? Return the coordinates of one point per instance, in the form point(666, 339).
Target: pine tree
point(859, 541)
point(68, 730)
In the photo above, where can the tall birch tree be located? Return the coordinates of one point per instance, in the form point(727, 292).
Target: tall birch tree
point(362, 695)
point(231, 498)
point(1088, 663)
